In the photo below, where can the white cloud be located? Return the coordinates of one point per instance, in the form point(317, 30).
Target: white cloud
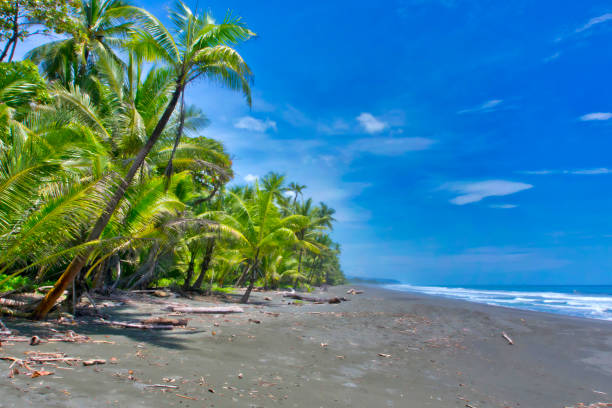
point(487, 106)
point(599, 170)
point(253, 124)
point(594, 21)
point(475, 191)
point(390, 146)
point(538, 172)
point(249, 178)
point(503, 206)
point(596, 116)
point(370, 124)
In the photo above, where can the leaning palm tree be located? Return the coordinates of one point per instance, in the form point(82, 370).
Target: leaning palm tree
point(202, 48)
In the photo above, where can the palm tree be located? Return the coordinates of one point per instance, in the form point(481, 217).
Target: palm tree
point(97, 30)
point(318, 219)
point(257, 225)
point(202, 48)
point(296, 189)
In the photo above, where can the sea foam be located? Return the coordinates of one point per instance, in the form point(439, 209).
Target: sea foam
point(573, 303)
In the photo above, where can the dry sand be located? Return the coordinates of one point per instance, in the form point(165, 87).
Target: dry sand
point(435, 353)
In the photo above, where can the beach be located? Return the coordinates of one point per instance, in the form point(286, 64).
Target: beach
point(378, 349)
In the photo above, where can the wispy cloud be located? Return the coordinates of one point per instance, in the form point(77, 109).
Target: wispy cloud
point(594, 171)
point(503, 206)
point(601, 170)
point(390, 146)
point(552, 57)
point(254, 124)
point(595, 21)
point(596, 116)
point(249, 178)
point(472, 192)
point(296, 117)
point(338, 126)
point(487, 106)
point(371, 124)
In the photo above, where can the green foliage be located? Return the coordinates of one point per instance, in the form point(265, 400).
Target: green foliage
point(19, 17)
point(178, 223)
point(14, 283)
point(21, 84)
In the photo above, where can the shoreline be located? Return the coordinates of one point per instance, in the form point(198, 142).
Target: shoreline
point(525, 308)
point(381, 348)
point(518, 309)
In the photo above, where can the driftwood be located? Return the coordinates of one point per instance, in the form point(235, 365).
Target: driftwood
point(11, 303)
point(207, 310)
point(93, 362)
point(135, 325)
point(159, 386)
point(165, 321)
point(353, 291)
point(508, 339)
point(315, 299)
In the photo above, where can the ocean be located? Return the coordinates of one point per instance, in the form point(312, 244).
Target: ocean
point(594, 302)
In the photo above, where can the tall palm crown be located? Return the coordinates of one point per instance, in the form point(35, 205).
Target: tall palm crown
point(99, 28)
point(199, 47)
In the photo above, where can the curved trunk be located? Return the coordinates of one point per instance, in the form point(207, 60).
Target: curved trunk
point(12, 41)
point(210, 247)
point(247, 294)
point(118, 275)
point(79, 261)
point(243, 276)
point(177, 140)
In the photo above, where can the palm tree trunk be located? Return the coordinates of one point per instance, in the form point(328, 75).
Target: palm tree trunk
point(243, 276)
point(79, 261)
point(177, 140)
point(300, 261)
point(247, 294)
point(189, 271)
point(210, 247)
point(118, 275)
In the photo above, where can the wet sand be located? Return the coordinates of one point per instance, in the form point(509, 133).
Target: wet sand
point(435, 353)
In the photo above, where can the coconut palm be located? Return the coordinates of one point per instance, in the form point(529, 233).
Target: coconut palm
point(296, 190)
point(97, 30)
point(259, 229)
point(201, 48)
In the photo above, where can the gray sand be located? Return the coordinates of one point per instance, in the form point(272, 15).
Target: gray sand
point(443, 353)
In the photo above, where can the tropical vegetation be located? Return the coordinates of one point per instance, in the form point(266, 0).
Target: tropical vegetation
point(106, 179)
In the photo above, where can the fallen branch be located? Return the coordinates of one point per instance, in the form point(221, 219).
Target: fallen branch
point(208, 310)
point(353, 291)
point(508, 339)
point(159, 386)
point(15, 313)
point(165, 321)
point(12, 303)
point(186, 397)
point(93, 362)
point(315, 299)
point(135, 325)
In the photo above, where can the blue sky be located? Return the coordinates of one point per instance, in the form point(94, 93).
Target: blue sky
point(461, 142)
